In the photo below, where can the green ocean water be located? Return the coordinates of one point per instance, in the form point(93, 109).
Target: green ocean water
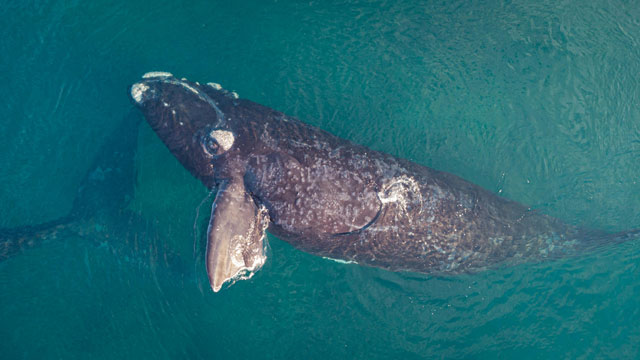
point(538, 101)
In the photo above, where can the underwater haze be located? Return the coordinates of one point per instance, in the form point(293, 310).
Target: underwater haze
point(536, 100)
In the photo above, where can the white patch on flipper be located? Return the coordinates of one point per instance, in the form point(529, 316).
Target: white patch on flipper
point(215, 85)
point(137, 90)
point(240, 244)
point(153, 74)
point(224, 138)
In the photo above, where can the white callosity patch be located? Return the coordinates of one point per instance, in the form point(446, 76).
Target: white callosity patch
point(138, 90)
point(216, 86)
point(157, 74)
point(224, 138)
point(219, 87)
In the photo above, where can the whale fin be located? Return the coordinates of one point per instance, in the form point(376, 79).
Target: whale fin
point(235, 238)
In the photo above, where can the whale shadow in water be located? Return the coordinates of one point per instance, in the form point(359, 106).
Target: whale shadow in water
point(99, 213)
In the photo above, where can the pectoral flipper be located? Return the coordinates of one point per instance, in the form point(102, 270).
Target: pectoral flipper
point(236, 235)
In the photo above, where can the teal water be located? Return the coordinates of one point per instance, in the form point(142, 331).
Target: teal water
point(536, 100)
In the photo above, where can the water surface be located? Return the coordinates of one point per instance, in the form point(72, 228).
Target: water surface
point(538, 101)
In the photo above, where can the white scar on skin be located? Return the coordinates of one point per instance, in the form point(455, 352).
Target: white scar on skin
point(400, 190)
point(340, 261)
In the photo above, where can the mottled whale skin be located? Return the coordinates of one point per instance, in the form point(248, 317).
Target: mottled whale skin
point(331, 197)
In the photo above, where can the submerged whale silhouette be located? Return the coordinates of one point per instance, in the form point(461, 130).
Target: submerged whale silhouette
point(333, 198)
point(99, 213)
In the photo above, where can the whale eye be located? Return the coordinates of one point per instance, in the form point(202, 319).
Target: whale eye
point(217, 142)
point(211, 146)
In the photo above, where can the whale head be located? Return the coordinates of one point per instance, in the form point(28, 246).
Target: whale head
point(188, 118)
point(210, 131)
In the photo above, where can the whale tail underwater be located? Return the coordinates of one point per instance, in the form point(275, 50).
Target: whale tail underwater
point(103, 195)
point(336, 199)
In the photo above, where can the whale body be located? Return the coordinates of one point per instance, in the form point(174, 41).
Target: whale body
point(331, 197)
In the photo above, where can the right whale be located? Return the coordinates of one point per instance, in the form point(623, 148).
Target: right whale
point(333, 198)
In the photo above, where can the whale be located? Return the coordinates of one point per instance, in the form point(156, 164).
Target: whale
point(333, 198)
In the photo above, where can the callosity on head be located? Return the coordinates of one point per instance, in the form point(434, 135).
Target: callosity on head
point(188, 119)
